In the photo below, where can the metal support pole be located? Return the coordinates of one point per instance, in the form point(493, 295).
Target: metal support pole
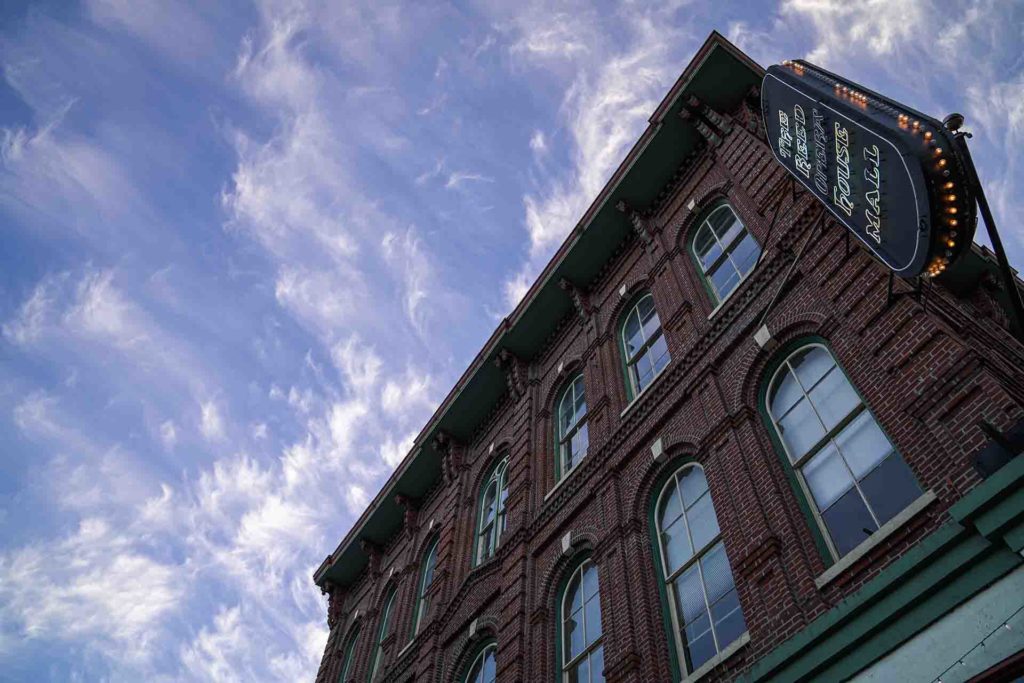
point(1016, 307)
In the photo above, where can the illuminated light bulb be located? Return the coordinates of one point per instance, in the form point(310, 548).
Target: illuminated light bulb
point(917, 124)
point(942, 163)
point(950, 243)
point(951, 209)
point(948, 186)
point(928, 135)
point(952, 221)
point(950, 197)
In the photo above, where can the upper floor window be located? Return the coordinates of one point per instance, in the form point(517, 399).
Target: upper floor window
point(572, 435)
point(844, 462)
point(643, 344)
point(492, 511)
point(484, 667)
point(426, 578)
point(582, 649)
point(348, 657)
point(704, 605)
point(725, 251)
point(385, 621)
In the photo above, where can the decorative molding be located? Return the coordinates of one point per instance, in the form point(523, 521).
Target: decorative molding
point(515, 372)
point(580, 300)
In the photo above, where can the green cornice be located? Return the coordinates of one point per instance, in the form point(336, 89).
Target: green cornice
point(721, 76)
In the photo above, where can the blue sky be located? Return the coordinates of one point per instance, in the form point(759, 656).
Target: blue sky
point(249, 247)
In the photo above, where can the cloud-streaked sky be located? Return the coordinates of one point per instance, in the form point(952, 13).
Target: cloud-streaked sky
point(247, 248)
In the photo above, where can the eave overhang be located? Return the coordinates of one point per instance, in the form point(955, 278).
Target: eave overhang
point(721, 76)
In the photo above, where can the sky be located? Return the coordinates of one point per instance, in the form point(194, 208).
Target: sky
point(248, 248)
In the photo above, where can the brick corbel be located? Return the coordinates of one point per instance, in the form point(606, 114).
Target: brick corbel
point(639, 220)
point(578, 295)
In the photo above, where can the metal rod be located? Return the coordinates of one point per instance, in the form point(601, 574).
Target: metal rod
point(792, 267)
point(1016, 307)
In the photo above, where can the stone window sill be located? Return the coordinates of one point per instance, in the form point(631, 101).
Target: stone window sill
point(565, 477)
point(636, 399)
point(705, 668)
point(723, 302)
point(886, 530)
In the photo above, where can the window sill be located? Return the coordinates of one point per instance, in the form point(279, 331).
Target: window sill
point(406, 648)
point(654, 380)
point(705, 668)
point(886, 530)
point(723, 302)
point(566, 476)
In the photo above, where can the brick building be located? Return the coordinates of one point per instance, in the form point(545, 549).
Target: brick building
point(626, 486)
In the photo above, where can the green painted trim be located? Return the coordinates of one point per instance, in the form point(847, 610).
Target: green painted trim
point(566, 386)
point(385, 621)
point(691, 238)
point(491, 469)
point(474, 653)
point(945, 569)
point(563, 584)
point(1002, 482)
point(620, 327)
point(420, 588)
point(346, 662)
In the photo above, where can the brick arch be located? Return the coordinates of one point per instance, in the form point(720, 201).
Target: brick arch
point(634, 284)
point(677, 447)
point(465, 647)
point(752, 365)
point(584, 541)
point(701, 204)
point(570, 367)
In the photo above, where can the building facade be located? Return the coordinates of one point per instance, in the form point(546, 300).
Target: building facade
point(715, 441)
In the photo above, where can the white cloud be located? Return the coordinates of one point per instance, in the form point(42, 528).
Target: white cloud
point(458, 178)
point(393, 452)
point(168, 434)
point(211, 424)
point(34, 314)
point(538, 143)
point(359, 363)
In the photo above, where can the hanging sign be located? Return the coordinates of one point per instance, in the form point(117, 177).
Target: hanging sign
point(888, 173)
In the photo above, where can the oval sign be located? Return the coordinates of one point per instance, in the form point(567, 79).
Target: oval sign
point(889, 174)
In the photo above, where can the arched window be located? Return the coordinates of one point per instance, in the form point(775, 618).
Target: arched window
point(704, 606)
point(348, 656)
point(844, 462)
point(724, 250)
point(492, 511)
point(582, 649)
point(484, 667)
point(571, 428)
point(426, 578)
point(643, 345)
point(385, 619)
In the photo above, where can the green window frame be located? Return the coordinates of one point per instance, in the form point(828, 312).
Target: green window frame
point(491, 519)
point(572, 435)
point(385, 621)
point(484, 666)
point(643, 345)
point(724, 250)
point(849, 475)
point(426, 578)
point(349, 656)
point(580, 642)
point(704, 612)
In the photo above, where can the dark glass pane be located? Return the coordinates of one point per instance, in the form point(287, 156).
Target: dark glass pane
point(848, 522)
point(489, 507)
point(703, 522)
point(677, 545)
point(701, 649)
point(706, 247)
point(800, 429)
point(583, 670)
point(581, 441)
point(693, 484)
point(827, 476)
point(890, 487)
point(671, 508)
point(566, 414)
point(645, 371)
point(724, 279)
point(690, 596)
point(728, 619)
point(590, 581)
point(651, 323)
point(745, 254)
point(631, 334)
point(573, 635)
point(597, 665)
point(573, 598)
point(863, 444)
point(717, 574)
point(811, 364)
point(593, 612)
point(659, 354)
point(785, 392)
point(490, 670)
point(580, 398)
point(834, 398)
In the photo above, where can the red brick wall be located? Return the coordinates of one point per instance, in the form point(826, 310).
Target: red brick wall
point(929, 370)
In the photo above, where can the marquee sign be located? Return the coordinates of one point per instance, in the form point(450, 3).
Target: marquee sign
point(891, 175)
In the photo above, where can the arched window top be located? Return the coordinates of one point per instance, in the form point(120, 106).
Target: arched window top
point(385, 629)
point(644, 348)
point(703, 602)
point(426, 578)
point(492, 520)
point(582, 649)
point(724, 250)
point(845, 464)
point(571, 432)
point(348, 656)
point(484, 668)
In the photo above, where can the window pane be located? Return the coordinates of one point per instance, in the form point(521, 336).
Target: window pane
point(651, 323)
point(590, 581)
point(573, 598)
point(645, 371)
point(659, 353)
point(827, 476)
point(490, 672)
point(593, 620)
point(671, 508)
point(834, 398)
point(785, 392)
point(566, 414)
point(582, 672)
point(631, 336)
point(849, 522)
point(745, 254)
point(489, 507)
point(693, 484)
point(581, 400)
point(800, 429)
point(890, 487)
point(701, 647)
point(728, 619)
point(706, 247)
point(811, 364)
point(597, 665)
point(863, 444)
point(690, 596)
point(703, 522)
point(573, 635)
point(677, 546)
point(717, 574)
point(724, 279)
